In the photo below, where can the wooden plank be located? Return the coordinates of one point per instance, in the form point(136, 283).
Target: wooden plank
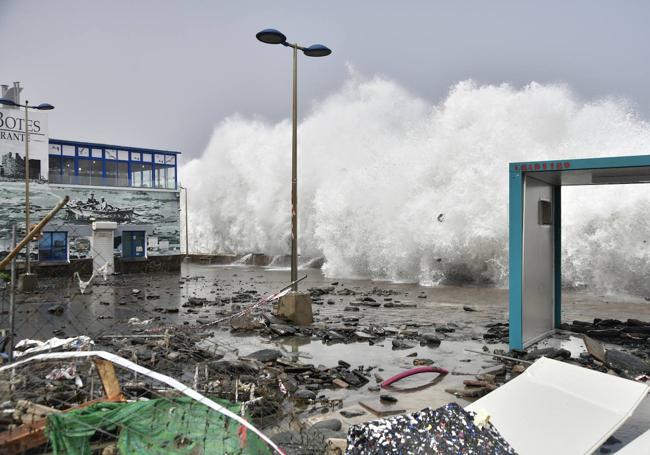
point(29, 436)
point(340, 383)
point(23, 438)
point(111, 385)
point(380, 409)
point(32, 412)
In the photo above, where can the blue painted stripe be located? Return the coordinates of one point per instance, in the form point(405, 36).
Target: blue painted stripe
point(585, 163)
point(516, 224)
point(109, 146)
point(557, 253)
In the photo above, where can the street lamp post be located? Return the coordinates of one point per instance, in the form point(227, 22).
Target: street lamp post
point(40, 107)
point(187, 235)
point(272, 36)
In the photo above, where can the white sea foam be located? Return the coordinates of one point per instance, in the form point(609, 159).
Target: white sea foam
point(395, 187)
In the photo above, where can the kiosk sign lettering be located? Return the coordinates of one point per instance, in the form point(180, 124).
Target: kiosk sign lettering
point(552, 166)
point(12, 143)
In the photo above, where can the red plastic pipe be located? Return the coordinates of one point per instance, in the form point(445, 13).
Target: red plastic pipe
point(411, 372)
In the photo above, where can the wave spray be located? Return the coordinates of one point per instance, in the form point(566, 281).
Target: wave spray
point(392, 187)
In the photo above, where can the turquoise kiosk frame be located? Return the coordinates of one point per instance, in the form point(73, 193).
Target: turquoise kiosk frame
point(536, 230)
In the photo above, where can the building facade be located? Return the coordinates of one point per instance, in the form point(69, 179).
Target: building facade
point(129, 195)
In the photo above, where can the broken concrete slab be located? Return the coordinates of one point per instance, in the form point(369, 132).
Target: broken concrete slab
point(626, 363)
point(594, 348)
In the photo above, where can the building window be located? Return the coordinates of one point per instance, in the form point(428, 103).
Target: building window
point(165, 171)
point(83, 171)
point(67, 170)
point(122, 173)
point(84, 165)
point(53, 246)
point(133, 244)
point(54, 174)
point(141, 174)
point(96, 172)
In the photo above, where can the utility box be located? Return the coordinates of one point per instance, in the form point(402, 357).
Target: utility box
point(102, 246)
point(535, 219)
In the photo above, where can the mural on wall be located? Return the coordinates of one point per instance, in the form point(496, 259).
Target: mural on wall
point(155, 211)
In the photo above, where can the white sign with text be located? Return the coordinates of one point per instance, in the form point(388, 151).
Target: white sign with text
point(12, 143)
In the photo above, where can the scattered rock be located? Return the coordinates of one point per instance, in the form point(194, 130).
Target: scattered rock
point(430, 339)
point(264, 355)
point(400, 344)
point(56, 310)
point(246, 323)
point(518, 369)
point(388, 398)
point(551, 353)
point(349, 413)
point(628, 364)
point(329, 424)
point(283, 330)
point(304, 395)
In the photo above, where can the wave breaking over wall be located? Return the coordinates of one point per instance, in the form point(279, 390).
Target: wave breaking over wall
point(392, 187)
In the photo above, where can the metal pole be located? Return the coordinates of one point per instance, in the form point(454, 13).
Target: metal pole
point(187, 234)
point(294, 175)
point(499, 356)
point(29, 270)
point(12, 297)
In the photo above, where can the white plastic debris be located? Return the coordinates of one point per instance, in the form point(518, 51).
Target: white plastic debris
point(481, 418)
point(556, 407)
point(83, 285)
point(29, 347)
point(63, 373)
point(137, 321)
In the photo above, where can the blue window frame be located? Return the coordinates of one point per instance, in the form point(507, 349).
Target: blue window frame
point(133, 244)
point(80, 163)
point(53, 246)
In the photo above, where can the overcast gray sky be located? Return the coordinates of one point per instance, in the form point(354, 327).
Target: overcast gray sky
point(161, 74)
